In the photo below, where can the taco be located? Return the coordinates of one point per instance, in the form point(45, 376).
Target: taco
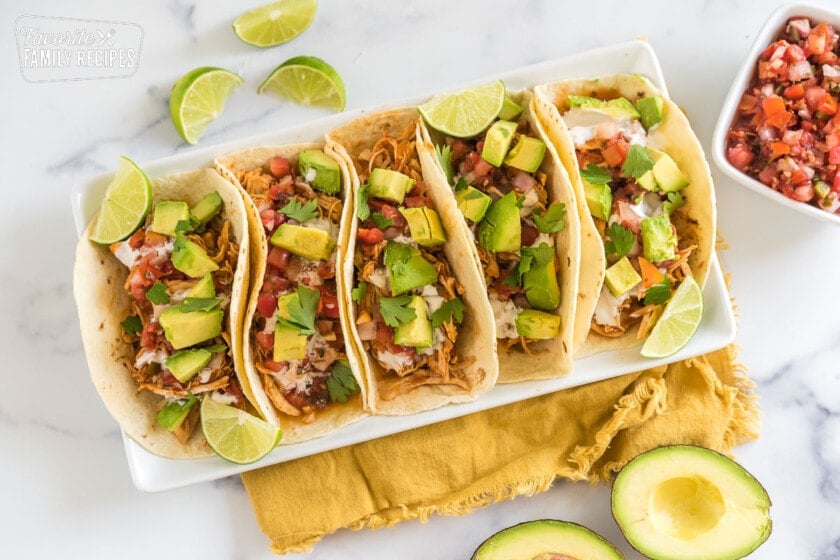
point(648, 195)
point(418, 315)
point(294, 338)
point(519, 206)
point(160, 312)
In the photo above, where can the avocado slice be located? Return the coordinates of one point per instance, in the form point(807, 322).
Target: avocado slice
point(390, 185)
point(665, 176)
point(497, 142)
point(538, 325)
point(167, 215)
point(186, 328)
point(173, 414)
point(510, 110)
point(650, 110)
point(191, 259)
point(307, 242)
point(289, 343)
point(186, 363)
point(425, 226)
point(407, 269)
point(472, 203)
point(527, 154)
point(501, 230)
point(689, 502)
point(206, 208)
point(417, 332)
point(204, 288)
point(658, 239)
point(541, 288)
point(621, 277)
point(320, 170)
point(617, 108)
point(546, 538)
point(599, 199)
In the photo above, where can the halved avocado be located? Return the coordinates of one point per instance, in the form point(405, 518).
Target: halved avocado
point(546, 538)
point(684, 502)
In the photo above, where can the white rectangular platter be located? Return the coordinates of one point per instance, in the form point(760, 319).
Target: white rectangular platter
point(152, 473)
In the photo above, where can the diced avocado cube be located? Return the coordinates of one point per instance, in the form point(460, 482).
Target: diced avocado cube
point(186, 328)
point(541, 288)
point(283, 302)
point(186, 363)
point(390, 185)
point(418, 331)
point(599, 199)
point(289, 344)
point(307, 242)
point(658, 239)
point(425, 226)
point(497, 142)
point(500, 229)
point(647, 181)
point(168, 214)
point(472, 203)
point(584, 101)
point(320, 170)
point(173, 414)
point(621, 277)
point(206, 208)
point(510, 110)
point(619, 108)
point(204, 288)
point(650, 109)
point(527, 154)
point(668, 176)
point(407, 269)
point(191, 259)
point(537, 325)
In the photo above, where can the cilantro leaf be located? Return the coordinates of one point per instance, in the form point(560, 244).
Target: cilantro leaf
point(359, 293)
point(362, 208)
point(675, 201)
point(199, 304)
point(157, 294)
point(637, 162)
point(658, 293)
point(452, 308)
point(395, 312)
point(444, 155)
point(301, 212)
point(553, 220)
point(595, 175)
point(184, 226)
point(302, 310)
point(620, 240)
point(461, 185)
point(132, 325)
point(530, 257)
point(381, 221)
point(341, 383)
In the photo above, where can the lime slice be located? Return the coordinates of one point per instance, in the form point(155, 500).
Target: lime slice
point(275, 23)
point(307, 80)
point(466, 113)
point(127, 202)
point(198, 98)
point(236, 435)
point(678, 322)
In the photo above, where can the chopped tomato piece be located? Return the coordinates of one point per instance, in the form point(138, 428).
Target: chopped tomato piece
point(279, 166)
point(740, 156)
point(775, 112)
point(279, 258)
point(828, 104)
point(328, 305)
point(267, 305)
point(615, 153)
point(834, 155)
point(265, 340)
point(813, 97)
point(778, 149)
point(651, 276)
point(794, 92)
point(820, 39)
point(370, 236)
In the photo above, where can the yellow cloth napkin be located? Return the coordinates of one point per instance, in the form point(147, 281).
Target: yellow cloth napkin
point(450, 468)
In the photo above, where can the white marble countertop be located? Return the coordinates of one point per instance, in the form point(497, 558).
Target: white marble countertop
point(65, 487)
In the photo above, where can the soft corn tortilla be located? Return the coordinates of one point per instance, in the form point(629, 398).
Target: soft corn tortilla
point(550, 358)
point(695, 222)
point(98, 280)
point(335, 415)
point(476, 334)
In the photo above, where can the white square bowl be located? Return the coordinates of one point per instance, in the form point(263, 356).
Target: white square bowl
point(772, 28)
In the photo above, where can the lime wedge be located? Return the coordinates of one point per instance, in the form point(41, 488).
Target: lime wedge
point(307, 80)
point(275, 23)
point(198, 97)
point(127, 202)
point(678, 322)
point(466, 113)
point(236, 435)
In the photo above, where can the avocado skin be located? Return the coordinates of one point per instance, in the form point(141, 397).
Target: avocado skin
point(500, 229)
point(327, 173)
point(533, 539)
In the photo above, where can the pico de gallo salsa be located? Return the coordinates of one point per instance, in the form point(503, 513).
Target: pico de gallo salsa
point(786, 131)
